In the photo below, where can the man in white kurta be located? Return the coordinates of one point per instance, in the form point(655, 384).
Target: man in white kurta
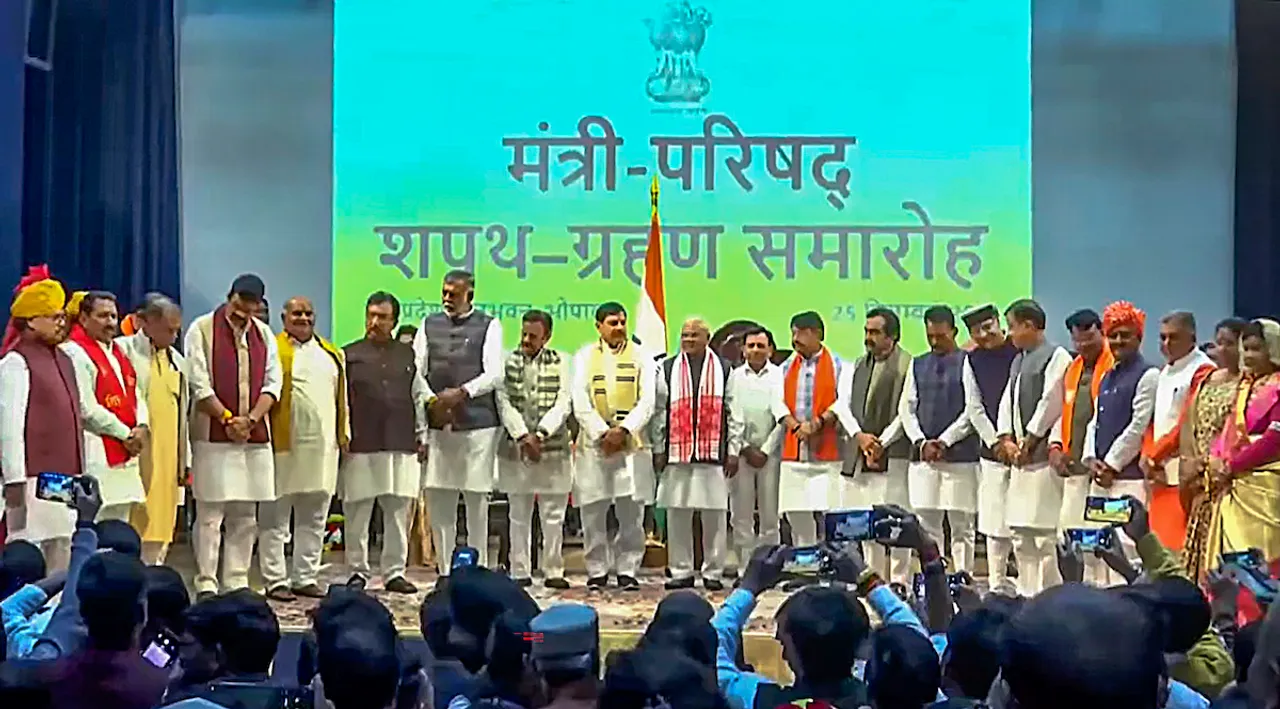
point(755, 437)
point(614, 390)
point(309, 427)
point(1029, 406)
point(692, 457)
point(388, 433)
point(97, 316)
point(235, 380)
point(534, 466)
point(460, 354)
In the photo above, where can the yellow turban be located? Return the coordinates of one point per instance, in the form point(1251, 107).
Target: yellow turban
point(73, 305)
point(40, 299)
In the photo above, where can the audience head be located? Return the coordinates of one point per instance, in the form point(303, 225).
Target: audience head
point(821, 631)
point(1177, 335)
point(652, 677)
point(1244, 648)
point(118, 535)
point(807, 332)
point(111, 589)
point(1026, 323)
point(1123, 325)
point(567, 648)
point(21, 563)
point(903, 671)
point(1226, 343)
point(940, 329)
point(1074, 646)
point(881, 331)
point(984, 328)
point(1178, 607)
point(1085, 328)
point(972, 659)
point(167, 600)
point(477, 596)
point(682, 623)
point(231, 634)
point(357, 652)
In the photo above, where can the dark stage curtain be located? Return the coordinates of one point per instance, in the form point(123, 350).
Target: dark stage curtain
point(100, 170)
point(1257, 214)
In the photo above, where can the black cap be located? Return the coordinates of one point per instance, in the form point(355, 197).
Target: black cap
point(979, 315)
point(249, 285)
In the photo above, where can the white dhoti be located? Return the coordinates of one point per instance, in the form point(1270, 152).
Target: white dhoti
point(227, 481)
point(390, 480)
point(545, 485)
point(947, 491)
point(46, 524)
point(306, 478)
point(1033, 511)
point(754, 491)
point(865, 489)
point(683, 489)
point(460, 462)
point(625, 482)
point(805, 488)
point(121, 488)
point(993, 498)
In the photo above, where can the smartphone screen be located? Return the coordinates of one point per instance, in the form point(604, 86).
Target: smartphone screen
point(1251, 558)
point(55, 487)
point(1107, 510)
point(804, 561)
point(1249, 569)
point(1089, 539)
point(163, 650)
point(848, 526)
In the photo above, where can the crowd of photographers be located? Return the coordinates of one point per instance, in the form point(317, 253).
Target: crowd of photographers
point(113, 633)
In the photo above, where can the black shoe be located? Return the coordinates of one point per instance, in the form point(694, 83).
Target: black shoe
point(357, 582)
point(598, 583)
point(558, 584)
point(713, 584)
point(399, 584)
point(628, 583)
point(678, 584)
point(730, 575)
point(205, 595)
point(281, 594)
point(525, 582)
point(310, 590)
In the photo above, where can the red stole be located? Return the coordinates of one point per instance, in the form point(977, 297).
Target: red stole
point(224, 364)
point(119, 400)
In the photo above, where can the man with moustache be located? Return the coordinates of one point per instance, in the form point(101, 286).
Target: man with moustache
point(754, 437)
point(1185, 368)
point(460, 354)
point(162, 382)
point(310, 426)
point(986, 374)
point(534, 467)
point(614, 389)
point(40, 427)
point(112, 409)
point(811, 456)
point(1126, 400)
point(1029, 406)
point(1081, 385)
point(943, 476)
point(235, 380)
point(875, 466)
point(387, 401)
point(692, 461)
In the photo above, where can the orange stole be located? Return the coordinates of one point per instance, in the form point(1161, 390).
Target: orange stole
point(824, 395)
point(1072, 381)
point(1168, 516)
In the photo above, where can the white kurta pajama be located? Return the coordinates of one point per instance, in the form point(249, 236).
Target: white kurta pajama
point(993, 487)
point(943, 489)
point(462, 461)
point(228, 480)
point(684, 486)
point(546, 483)
point(306, 473)
point(751, 396)
point(1034, 503)
point(807, 485)
point(120, 485)
point(623, 480)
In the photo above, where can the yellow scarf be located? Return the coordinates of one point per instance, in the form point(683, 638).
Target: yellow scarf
point(615, 384)
point(281, 411)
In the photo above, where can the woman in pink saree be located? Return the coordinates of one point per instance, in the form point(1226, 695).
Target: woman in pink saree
point(1245, 466)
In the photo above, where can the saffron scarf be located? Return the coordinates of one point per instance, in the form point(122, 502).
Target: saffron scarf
point(120, 399)
point(281, 411)
point(224, 363)
point(696, 418)
point(1106, 361)
point(825, 447)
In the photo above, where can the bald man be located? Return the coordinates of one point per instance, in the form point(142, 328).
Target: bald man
point(310, 428)
point(693, 456)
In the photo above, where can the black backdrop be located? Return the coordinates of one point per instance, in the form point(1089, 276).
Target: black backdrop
point(1257, 213)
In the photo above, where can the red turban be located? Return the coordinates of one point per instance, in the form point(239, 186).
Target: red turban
point(1120, 313)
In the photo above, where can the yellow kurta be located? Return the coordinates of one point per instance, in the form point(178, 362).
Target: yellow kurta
point(161, 465)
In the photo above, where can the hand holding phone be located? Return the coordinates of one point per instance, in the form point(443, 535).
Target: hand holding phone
point(1249, 569)
point(805, 561)
point(56, 487)
point(1089, 540)
point(162, 651)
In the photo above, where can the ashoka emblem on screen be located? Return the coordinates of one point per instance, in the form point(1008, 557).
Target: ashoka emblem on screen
point(677, 37)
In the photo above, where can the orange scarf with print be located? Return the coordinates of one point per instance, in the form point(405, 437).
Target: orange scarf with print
point(825, 447)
